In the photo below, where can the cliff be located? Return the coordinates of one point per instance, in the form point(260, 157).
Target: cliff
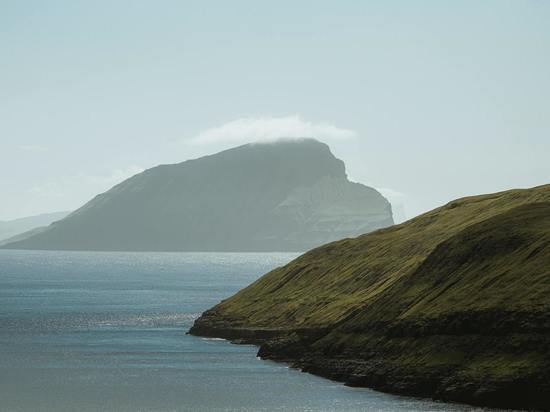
point(453, 305)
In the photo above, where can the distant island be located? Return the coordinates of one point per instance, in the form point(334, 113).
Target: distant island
point(453, 305)
point(289, 195)
point(10, 230)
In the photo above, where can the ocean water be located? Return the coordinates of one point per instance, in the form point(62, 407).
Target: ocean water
point(88, 331)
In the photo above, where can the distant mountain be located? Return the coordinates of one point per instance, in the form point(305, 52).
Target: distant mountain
point(453, 304)
point(290, 195)
point(15, 227)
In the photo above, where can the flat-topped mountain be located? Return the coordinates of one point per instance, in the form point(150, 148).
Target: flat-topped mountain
point(453, 304)
point(290, 195)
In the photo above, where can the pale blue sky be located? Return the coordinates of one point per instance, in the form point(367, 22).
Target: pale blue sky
point(443, 98)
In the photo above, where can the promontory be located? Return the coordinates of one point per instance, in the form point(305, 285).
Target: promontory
point(453, 304)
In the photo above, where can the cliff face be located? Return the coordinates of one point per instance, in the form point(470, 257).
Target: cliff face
point(454, 304)
point(290, 195)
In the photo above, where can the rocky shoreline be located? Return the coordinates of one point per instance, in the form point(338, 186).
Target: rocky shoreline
point(377, 368)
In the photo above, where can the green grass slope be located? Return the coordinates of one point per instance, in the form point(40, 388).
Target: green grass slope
point(453, 304)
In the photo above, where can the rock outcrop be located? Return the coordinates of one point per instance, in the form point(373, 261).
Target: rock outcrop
point(289, 195)
point(453, 305)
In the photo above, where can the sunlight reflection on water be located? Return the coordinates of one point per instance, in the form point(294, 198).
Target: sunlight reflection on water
point(106, 331)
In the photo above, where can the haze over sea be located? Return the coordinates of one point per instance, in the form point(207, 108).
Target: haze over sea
point(106, 331)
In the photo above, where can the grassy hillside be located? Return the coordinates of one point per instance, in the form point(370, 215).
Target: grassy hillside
point(453, 304)
point(326, 284)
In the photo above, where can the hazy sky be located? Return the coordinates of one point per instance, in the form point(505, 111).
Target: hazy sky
point(428, 100)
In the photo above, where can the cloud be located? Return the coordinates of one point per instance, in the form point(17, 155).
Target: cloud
point(48, 189)
point(112, 178)
point(395, 197)
point(255, 129)
point(32, 148)
point(398, 203)
point(82, 185)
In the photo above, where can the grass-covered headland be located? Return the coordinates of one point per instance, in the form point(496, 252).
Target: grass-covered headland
point(453, 304)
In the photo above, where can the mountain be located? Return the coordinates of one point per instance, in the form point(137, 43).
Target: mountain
point(15, 227)
point(453, 304)
point(290, 195)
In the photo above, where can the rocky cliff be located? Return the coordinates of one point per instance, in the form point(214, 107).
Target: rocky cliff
point(454, 305)
point(289, 195)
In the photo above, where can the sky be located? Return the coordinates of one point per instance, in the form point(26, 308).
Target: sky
point(425, 100)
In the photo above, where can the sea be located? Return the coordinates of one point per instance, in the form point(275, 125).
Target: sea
point(106, 331)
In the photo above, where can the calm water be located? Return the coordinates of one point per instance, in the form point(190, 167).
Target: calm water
point(106, 331)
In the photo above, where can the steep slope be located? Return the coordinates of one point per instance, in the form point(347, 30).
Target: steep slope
point(454, 304)
point(289, 195)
